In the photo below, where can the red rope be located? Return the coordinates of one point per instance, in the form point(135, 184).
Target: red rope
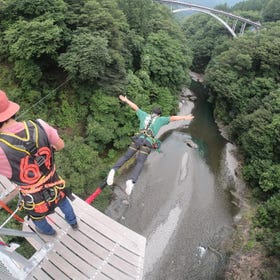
point(15, 216)
point(92, 197)
point(97, 192)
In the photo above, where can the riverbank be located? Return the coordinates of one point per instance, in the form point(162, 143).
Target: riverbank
point(246, 256)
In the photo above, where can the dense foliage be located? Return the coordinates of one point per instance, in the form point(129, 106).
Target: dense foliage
point(243, 76)
point(77, 57)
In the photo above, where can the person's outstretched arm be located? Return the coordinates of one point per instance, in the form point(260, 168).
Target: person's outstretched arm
point(179, 118)
point(128, 102)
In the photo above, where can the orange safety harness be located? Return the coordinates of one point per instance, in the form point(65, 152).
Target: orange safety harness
point(32, 162)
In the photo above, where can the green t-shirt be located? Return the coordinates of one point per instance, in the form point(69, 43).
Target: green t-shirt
point(156, 124)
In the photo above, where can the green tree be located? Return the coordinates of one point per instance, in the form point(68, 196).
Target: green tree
point(103, 124)
point(79, 165)
point(267, 219)
point(87, 57)
point(30, 9)
point(32, 39)
point(166, 60)
point(203, 34)
point(271, 11)
point(28, 72)
point(250, 5)
point(139, 14)
point(269, 179)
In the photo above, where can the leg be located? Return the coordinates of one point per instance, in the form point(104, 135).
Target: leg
point(44, 227)
point(142, 156)
point(129, 153)
point(67, 209)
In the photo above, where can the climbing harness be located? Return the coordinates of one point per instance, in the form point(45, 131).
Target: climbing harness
point(148, 133)
point(35, 172)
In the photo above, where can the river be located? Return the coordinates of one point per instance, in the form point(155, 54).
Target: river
point(180, 202)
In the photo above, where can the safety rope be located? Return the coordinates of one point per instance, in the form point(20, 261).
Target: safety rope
point(13, 214)
point(45, 97)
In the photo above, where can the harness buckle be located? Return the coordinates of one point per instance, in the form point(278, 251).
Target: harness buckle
point(40, 160)
point(48, 194)
point(30, 147)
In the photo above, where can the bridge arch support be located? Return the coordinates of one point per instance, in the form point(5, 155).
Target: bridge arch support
point(184, 6)
point(208, 13)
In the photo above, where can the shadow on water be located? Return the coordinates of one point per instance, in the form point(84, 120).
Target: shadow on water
point(204, 130)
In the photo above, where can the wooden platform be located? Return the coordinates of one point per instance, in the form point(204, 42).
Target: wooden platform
point(101, 249)
point(8, 190)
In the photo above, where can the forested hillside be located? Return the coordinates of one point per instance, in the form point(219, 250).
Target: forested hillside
point(67, 61)
point(243, 78)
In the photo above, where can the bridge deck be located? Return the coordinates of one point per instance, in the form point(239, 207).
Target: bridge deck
point(101, 249)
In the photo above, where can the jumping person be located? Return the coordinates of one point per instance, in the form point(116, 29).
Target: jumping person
point(27, 159)
point(144, 141)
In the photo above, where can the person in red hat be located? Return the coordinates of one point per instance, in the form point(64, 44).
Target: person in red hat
point(27, 159)
point(143, 142)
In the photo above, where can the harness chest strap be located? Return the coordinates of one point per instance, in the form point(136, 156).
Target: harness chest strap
point(30, 155)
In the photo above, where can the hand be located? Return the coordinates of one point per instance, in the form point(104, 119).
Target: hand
point(189, 117)
point(123, 98)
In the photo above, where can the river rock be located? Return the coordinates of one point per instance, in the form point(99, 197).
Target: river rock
point(191, 144)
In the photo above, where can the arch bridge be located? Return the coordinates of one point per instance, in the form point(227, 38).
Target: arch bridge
point(179, 6)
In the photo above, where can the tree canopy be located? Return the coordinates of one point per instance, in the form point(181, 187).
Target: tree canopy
point(76, 58)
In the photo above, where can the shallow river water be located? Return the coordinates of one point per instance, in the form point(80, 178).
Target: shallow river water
point(179, 203)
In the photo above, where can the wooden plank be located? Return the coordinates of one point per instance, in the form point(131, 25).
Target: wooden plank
point(28, 226)
point(127, 238)
point(87, 247)
point(63, 265)
point(6, 184)
point(99, 243)
point(53, 270)
point(100, 277)
point(39, 274)
point(8, 190)
point(100, 249)
point(10, 196)
point(76, 260)
point(110, 223)
point(97, 267)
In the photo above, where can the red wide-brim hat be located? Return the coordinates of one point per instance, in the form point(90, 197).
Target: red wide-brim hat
point(7, 107)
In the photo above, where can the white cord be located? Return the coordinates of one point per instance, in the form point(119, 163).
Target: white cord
point(9, 218)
